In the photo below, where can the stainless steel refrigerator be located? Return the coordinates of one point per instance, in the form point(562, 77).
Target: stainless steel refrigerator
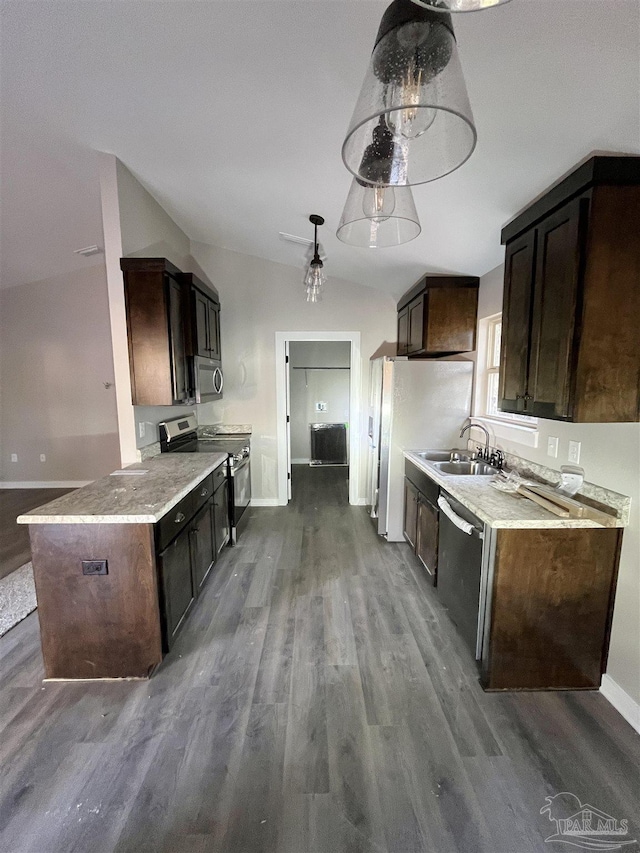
point(414, 405)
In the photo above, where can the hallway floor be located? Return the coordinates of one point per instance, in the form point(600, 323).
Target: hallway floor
point(317, 701)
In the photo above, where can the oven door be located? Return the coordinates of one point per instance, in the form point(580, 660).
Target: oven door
point(208, 379)
point(241, 489)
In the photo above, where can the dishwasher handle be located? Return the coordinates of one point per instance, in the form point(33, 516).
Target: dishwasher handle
point(460, 523)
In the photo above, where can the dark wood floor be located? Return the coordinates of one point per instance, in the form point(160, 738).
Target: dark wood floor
point(318, 700)
point(14, 538)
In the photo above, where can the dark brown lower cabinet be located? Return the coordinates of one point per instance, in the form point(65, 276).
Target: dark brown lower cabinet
point(174, 565)
point(551, 607)
point(427, 536)
point(421, 517)
point(203, 549)
point(410, 513)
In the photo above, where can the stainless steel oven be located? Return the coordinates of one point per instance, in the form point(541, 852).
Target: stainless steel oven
point(208, 380)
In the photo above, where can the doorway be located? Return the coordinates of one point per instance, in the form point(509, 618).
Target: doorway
point(318, 383)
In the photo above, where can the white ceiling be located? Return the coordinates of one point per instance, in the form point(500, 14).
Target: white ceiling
point(233, 113)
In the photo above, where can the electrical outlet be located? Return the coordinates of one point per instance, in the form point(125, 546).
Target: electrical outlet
point(14, 457)
point(43, 458)
point(95, 567)
point(574, 452)
point(552, 446)
point(321, 407)
point(142, 429)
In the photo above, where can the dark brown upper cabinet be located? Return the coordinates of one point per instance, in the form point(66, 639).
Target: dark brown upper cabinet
point(571, 308)
point(157, 308)
point(438, 316)
point(205, 318)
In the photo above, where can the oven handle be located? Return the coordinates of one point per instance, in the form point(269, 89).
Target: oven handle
point(238, 466)
point(460, 523)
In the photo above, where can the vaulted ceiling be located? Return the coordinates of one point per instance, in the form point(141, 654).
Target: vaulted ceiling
point(233, 114)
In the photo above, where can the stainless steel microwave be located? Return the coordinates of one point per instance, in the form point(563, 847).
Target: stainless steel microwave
point(208, 380)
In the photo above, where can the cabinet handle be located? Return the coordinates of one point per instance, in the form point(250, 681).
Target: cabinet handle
point(179, 517)
point(204, 493)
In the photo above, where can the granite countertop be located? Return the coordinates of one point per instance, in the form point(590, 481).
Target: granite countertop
point(501, 509)
point(208, 430)
point(130, 498)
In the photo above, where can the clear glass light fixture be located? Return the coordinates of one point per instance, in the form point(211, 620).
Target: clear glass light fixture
point(315, 277)
point(460, 5)
point(413, 121)
point(377, 217)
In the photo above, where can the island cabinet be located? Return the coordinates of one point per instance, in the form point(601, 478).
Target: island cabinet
point(438, 316)
point(571, 307)
point(112, 598)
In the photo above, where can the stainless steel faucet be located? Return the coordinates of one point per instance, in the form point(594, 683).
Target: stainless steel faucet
point(487, 449)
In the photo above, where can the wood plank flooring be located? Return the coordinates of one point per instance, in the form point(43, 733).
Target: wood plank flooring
point(14, 538)
point(318, 701)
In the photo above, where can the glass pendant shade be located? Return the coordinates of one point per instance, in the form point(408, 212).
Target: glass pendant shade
point(314, 280)
point(460, 5)
point(413, 121)
point(377, 217)
point(315, 276)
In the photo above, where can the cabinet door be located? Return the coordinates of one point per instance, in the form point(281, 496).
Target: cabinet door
point(176, 583)
point(213, 311)
point(451, 318)
point(516, 321)
point(203, 551)
point(221, 516)
point(403, 331)
point(558, 257)
point(179, 383)
point(410, 513)
point(427, 537)
point(201, 316)
point(416, 325)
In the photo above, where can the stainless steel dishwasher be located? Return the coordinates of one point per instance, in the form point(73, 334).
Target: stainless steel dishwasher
point(461, 575)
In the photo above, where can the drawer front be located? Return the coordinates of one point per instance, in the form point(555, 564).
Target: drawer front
point(175, 520)
point(429, 488)
point(219, 476)
point(202, 492)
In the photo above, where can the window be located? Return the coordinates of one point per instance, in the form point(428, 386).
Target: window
point(488, 389)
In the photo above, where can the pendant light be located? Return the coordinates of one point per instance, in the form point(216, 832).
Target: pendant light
point(460, 5)
point(377, 216)
point(315, 277)
point(413, 121)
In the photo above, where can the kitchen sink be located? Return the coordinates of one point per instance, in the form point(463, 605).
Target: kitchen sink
point(442, 455)
point(477, 468)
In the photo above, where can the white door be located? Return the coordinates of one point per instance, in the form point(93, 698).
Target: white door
point(287, 389)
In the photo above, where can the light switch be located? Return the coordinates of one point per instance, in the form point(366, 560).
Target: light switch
point(552, 446)
point(574, 452)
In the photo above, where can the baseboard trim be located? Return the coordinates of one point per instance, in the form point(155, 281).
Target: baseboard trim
point(45, 484)
point(621, 701)
point(264, 502)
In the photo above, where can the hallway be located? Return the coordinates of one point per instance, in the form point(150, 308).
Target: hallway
point(318, 701)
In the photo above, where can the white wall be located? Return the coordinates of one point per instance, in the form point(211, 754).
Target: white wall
point(135, 225)
point(610, 455)
point(259, 298)
point(55, 351)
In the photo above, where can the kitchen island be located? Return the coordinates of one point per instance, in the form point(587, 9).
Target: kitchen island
point(119, 564)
